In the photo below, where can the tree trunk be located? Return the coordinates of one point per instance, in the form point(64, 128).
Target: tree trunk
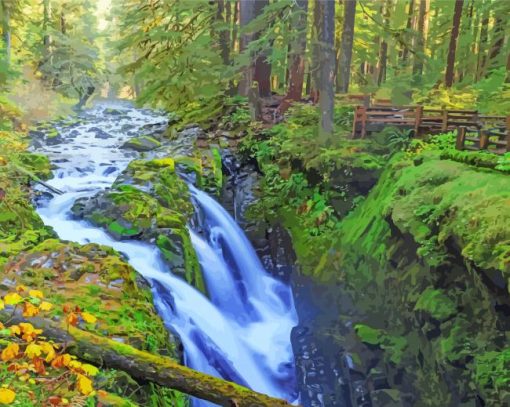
point(223, 35)
point(297, 57)
point(482, 48)
point(246, 13)
point(420, 42)
point(262, 66)
point(6, 31)
point(452, 48)
point(383, 51)
point(46, 24)
point(235, 22)
point(144, 366)
point(326, 11)
point(344, 69)
point(497, 43)
point(316, 53)
point(409, 26)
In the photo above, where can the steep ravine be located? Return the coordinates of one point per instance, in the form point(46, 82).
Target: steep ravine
point(414, 309)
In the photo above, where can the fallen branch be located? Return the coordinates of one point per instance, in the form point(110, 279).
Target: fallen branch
point(145, 366)
point(37, 179)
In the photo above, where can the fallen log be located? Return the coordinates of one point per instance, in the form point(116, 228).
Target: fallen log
point(145, 366)
point(37, 179)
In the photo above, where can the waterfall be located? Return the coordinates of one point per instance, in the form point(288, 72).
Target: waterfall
point(241, 331)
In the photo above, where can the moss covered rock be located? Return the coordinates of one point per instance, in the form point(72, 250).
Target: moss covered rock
point(148, 201)
point(142, 143)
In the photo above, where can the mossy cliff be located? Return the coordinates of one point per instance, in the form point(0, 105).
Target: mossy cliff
point(426, 258)
point(149, 201)
point(414, 247)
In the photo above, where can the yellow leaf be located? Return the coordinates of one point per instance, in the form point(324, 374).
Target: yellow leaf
point(36, 294)
point(2, 306)
point(30, 310)
point(74, 364)
point(21, 288)
point(84, 385)
point(88, 318)
point(10, 352)
point(33, 350)
point(89, 369)
point(15, 330)
point(6, 396)
point(49, 349)
point(45, 306)
point(61, 360)
point(13, 299)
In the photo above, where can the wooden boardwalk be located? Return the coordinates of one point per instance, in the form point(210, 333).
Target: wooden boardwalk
point(474, 131)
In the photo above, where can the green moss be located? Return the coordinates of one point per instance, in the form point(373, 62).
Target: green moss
point(435, 303)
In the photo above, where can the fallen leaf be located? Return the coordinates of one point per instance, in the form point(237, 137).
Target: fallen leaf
point(7, 396)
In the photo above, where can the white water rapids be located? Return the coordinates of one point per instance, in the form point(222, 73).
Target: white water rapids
point(242, 331)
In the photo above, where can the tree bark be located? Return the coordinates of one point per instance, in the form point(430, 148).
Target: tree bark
point(6, 32)
point(223, 35)
point(420, 42)
point(326, 13)
point(144, 366)
point(46, 24)
point(262, 72)
point(482, 48)
point(409, 26)
point(383, 51)
point(316, 53)
point(246, 13)
point(452, 48)
point(297, 58)
point(344, 69)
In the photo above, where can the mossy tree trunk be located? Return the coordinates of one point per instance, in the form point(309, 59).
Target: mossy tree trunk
point(144, 366)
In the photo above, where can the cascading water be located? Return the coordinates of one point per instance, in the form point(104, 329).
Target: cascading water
point(242, 331)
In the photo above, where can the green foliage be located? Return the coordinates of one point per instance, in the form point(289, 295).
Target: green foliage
point(435, 303)
point(175, 53)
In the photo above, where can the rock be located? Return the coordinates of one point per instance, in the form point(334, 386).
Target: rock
point(112, 112)
point(99, 133)
point(143, 143)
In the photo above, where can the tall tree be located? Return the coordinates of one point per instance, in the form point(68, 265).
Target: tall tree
point(326, 15)
point(383, 50)
point(6, 29)
point(452, 48)
point(482, 44)
point(420, 41)
point(344, 68)
point(297, 55)
point(262, 73)
point(246, 15)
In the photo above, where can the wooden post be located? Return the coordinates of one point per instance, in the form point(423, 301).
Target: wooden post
point(461, 138)
point(444, 123)
point(484, 140)
point(363, 111)
point(417, 123)
point(508, 133)
point(355, 121)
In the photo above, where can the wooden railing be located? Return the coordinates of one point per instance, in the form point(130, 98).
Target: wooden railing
point(480, 132)
point(494, 139)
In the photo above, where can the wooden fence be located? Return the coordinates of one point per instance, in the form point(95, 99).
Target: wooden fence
point(475, 131)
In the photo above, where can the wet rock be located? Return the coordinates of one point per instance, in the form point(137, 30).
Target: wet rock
point(99, 133)
point(113, 112)
point(143, 143)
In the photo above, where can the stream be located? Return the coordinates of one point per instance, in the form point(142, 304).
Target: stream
point(241, 331)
